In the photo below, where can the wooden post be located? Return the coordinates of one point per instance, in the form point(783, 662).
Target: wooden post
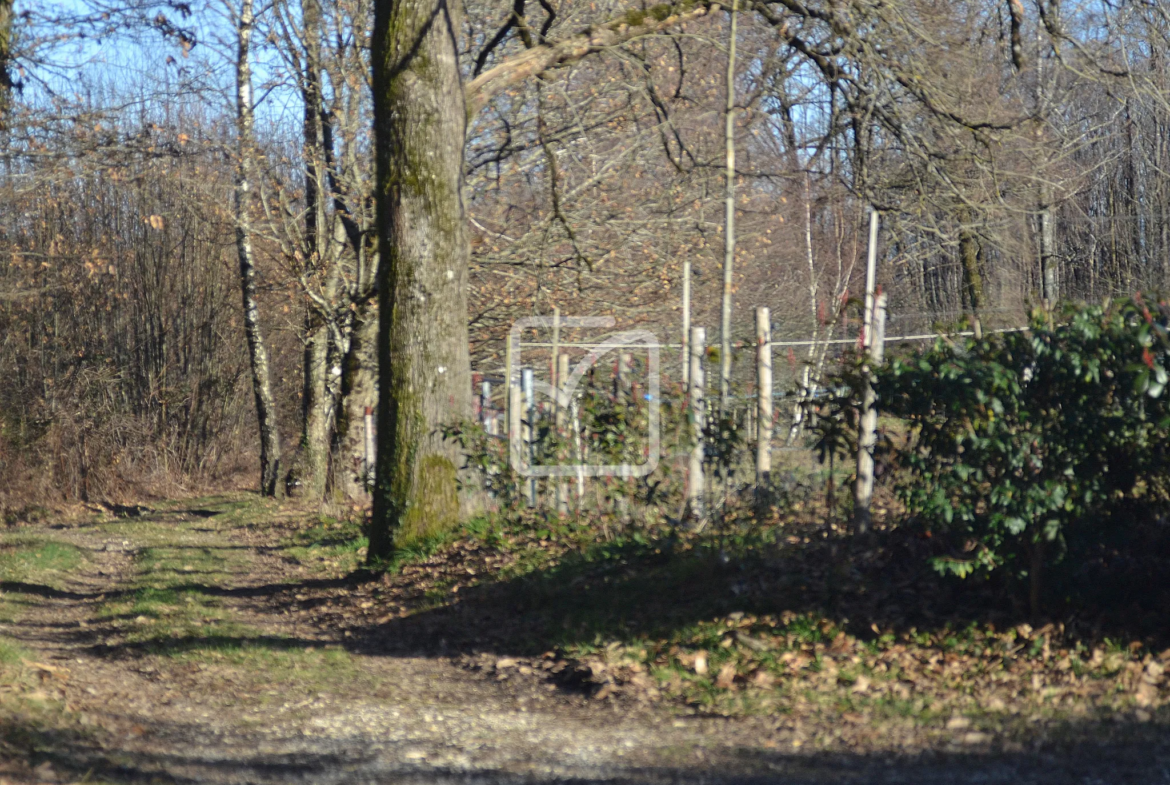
point(370, 449)
point(508, 408)
point(763, 397)
point(578, 452)
point(485, 404)
point(561, 421)
point(695, 484)
point(477, 412)
point(528, 431)
point(621, 380)
point(515, 440)
point(867, 432)
point(556, 350)
point(870, 276)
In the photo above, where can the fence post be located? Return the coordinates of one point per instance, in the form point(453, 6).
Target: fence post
point(867, 432)
point(515, 453)
point(695, 484)
point(763, 397)
point(477, 412)
point(528, 431)
point(509, 408)
point(578, 452)
point(562, 404)
point(370, 448)
point(621, 380)
point(870, 275)
point(553, 363)
point(485, 407)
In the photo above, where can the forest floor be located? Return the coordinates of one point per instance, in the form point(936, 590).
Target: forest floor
point(230, 640)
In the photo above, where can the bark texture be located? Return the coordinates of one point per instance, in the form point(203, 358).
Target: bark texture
point(424, 371)
point(5, 57)
point(312, 465)
point(359, 389)
point(971, 258)
point(257, 350)
point(310, 473)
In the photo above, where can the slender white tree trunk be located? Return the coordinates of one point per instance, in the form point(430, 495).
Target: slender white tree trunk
point(728, 219)
point(257, 350)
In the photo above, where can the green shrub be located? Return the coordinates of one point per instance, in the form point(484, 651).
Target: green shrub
point(1021, 440)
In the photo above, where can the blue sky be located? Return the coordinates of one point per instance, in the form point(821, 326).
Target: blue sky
point(146, 66)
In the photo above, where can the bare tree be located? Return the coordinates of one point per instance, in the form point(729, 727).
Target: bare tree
point(257, 350)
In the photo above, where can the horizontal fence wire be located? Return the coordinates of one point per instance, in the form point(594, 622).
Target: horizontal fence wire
point(833, 342)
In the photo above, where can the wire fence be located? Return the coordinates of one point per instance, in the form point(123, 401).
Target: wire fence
point(569, 402)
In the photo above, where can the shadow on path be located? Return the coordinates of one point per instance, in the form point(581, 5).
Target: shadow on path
point(178, 753)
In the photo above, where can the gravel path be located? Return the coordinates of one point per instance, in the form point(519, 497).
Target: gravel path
point(150, 718)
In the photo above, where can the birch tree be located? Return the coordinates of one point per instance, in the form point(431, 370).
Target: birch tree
point(270, 475)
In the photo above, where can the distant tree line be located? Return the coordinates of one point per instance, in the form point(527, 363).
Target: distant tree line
point(191, 243)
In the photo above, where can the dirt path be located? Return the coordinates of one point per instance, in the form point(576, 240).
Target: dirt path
point(298, 702)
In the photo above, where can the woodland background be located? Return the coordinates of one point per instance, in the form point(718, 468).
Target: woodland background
point(1017, 152)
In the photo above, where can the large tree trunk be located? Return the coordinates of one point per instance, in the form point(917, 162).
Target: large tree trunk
point(257, 351)
point(311, 471)
point(420, 122)
point(359, 391)
point(312, 465)
point(312, 131)
point(424, 371)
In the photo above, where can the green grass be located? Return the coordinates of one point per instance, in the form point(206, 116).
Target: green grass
point(328, 546)
point(33, 559)
point(29, 559)
point(173, 609)
point(281, 661)
point(192, 562)
point(171, 606)
point(10, 656)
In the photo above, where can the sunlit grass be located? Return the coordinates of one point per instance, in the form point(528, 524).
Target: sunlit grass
point(329, 546)
point(27, 557)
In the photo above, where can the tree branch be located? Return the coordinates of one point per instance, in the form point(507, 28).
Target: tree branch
point(543, 57)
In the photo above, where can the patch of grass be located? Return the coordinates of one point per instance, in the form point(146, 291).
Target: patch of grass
point(175, 608)
point(176, 564)
point(10, 656)
point(36, 559)
point(418, 550)
point(282, 661)
point(328, 545)
point(151, 615)
point(240, 511)
point(33, 560)
point(172, 596)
